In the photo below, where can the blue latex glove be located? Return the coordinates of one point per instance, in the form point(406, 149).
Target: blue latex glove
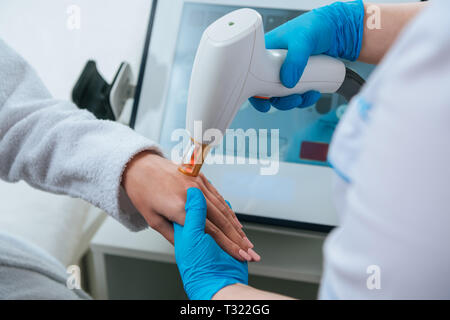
point(204, 267)
point(335, 30)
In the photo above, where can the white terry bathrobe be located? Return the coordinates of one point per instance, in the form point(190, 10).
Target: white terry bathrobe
point(56, 147)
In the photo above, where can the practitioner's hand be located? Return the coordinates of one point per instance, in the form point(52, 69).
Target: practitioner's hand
point(204, 267)
point(158, 190)
point(335, 30)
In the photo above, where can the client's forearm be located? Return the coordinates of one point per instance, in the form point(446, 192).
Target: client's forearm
point(240, 291)
point(56, 147)
point(382, 24)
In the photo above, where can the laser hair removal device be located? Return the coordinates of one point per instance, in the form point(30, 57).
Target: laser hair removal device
point(232, 64)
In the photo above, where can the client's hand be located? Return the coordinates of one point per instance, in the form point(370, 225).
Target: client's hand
point(158, 190)
point(204, 267)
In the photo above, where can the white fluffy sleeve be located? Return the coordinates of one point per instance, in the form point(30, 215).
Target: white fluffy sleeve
point(55, 146)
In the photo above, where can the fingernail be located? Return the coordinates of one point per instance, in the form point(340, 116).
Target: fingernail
point(245, 255)
point(254, 255)
point(249, 243)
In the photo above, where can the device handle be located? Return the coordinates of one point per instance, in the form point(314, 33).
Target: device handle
point(322, 73)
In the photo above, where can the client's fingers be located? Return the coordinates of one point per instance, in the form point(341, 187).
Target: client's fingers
point(225, 210)
point(225, 243)
point(213, 190)
point(224, 224)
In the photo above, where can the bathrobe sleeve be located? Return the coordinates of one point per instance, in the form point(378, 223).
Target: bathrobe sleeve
point(56, 147)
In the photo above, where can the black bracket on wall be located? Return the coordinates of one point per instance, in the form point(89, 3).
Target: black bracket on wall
point(105, 101)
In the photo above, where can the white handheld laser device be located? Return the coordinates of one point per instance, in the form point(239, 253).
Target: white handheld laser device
point(232, 64)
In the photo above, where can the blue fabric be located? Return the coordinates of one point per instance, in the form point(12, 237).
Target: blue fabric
point(364, 108)
point(335, 30)
point(204, 267)
point(339, 172)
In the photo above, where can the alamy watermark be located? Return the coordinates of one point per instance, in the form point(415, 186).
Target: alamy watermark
point(73, 21)
point(262, 147)
point(373, 14)
point(373, 282)
point(74, 279)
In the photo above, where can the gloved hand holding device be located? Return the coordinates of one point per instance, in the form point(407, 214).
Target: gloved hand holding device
point(204, 267)
point(335, 30)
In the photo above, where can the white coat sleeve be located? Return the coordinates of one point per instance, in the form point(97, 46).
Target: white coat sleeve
point(56, 147)
point(392, 242)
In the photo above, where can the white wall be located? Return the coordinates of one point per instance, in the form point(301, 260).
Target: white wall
point(110, 31)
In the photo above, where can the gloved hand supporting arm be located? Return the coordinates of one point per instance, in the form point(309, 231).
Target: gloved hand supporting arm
point(207, 271)
point(204, 267)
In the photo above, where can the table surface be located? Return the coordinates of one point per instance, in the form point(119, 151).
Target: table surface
point(286, 253)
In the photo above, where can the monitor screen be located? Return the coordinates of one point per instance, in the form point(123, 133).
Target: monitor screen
point(304, 134)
